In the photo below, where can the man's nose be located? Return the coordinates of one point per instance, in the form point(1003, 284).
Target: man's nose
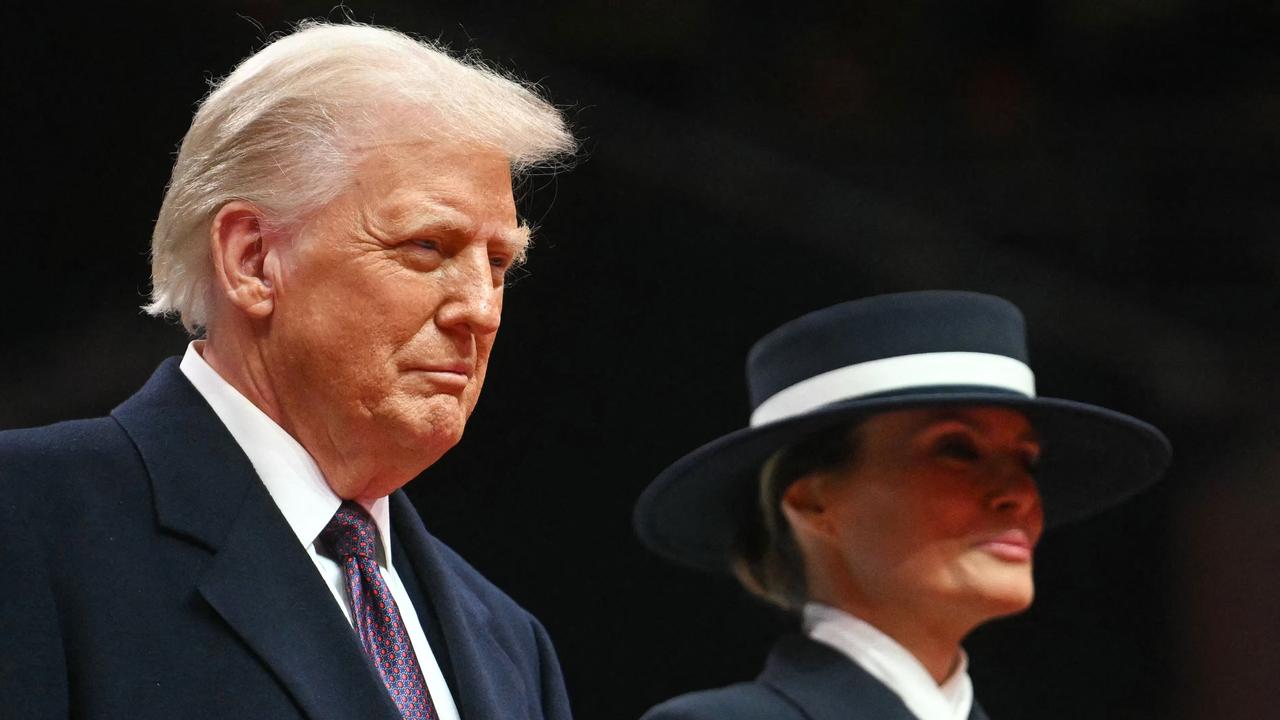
point(472, 297)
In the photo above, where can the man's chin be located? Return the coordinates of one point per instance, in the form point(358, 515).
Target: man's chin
point(432, 435)
point(412, 435)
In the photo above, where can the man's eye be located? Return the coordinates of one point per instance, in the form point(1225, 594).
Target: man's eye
point(958, 447)
point(500, 263)
point(427, 245)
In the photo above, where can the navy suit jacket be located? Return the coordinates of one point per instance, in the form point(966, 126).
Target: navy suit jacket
point(147, 573)
point(802, 680)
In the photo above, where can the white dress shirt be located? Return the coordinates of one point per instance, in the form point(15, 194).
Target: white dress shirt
point(299, 489)
point(891, 664)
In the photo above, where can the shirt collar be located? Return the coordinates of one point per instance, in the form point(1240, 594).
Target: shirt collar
point(892, 664)
point(288, 471)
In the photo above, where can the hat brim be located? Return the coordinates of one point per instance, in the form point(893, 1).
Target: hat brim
point(1092, 458)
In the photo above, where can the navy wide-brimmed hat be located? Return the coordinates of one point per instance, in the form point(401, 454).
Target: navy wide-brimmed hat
point(849, 361)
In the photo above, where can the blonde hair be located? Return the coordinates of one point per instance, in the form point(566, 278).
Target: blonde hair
point(287, 128)
point(765, 556)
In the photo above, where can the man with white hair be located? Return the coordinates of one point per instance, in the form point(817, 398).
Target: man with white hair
point(232, 541)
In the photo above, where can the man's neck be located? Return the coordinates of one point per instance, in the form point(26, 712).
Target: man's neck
point(344, 469)
point(247, 375)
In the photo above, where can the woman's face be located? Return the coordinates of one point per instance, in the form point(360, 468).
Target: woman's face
point(939, 510)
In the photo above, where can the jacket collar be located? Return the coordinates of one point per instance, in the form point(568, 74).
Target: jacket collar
point(199, 476)
point(259, 580)
point(826, 685)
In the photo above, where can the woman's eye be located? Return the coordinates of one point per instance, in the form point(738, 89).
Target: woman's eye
point(1031, 462)
point(958, 447)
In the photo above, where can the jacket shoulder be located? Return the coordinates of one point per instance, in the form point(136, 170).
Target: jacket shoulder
point(69, 455)
point(67, 486)
point(742, 701)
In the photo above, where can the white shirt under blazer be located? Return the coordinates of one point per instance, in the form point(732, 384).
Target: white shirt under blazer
point(890, 663)
point(299, 489)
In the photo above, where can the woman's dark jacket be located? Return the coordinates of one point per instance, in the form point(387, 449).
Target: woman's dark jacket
point(802, 679)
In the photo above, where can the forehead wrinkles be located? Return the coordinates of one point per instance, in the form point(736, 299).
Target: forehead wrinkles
point(412, 209)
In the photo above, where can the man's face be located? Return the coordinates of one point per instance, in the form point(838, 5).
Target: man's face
point(388, 303)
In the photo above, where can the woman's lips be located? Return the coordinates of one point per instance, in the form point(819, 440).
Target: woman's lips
point(1010, 545)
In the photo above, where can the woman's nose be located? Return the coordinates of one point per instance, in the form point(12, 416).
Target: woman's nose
point(1017, 492)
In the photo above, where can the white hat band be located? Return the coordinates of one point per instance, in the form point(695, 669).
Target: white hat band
point(897, 373)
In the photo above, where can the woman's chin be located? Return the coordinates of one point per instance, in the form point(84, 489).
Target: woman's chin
point(997, 592)
point(1008, 596)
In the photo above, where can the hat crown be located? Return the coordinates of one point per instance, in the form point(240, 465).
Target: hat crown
point(881, 327)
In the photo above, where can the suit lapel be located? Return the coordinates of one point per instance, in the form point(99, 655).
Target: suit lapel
point(489, 686)
point(826, 685)
point(260, 579)
point(267, 589)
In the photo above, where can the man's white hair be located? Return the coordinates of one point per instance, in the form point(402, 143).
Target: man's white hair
point(287, 128)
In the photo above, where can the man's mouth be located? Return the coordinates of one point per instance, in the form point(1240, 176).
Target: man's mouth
point(445, 374)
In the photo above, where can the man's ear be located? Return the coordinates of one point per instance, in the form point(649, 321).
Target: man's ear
point(805, 505)
point(239, 253)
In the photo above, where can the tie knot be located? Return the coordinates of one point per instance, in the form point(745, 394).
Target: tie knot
point(351, 533)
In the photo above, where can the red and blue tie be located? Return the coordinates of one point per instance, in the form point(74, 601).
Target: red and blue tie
point(353, 541)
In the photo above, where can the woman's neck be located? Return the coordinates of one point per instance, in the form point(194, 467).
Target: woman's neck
point(933, 642)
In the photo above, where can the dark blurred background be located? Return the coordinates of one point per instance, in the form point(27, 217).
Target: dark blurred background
point(1112, 167)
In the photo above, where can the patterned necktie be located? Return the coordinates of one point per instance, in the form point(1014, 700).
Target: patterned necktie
point(353, 541)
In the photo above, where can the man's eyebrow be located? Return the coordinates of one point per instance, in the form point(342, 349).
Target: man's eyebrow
point(519, 238)
point(428, 217)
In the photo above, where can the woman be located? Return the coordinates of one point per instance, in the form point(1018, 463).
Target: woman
point(896, 476)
